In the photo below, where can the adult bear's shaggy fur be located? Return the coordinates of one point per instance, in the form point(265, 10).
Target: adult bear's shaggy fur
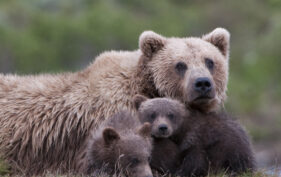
point(44, 119)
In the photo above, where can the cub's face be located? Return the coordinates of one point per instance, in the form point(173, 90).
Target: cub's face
point(165, 115)
point(130, 154)
point(192, 70)
point(134, 157)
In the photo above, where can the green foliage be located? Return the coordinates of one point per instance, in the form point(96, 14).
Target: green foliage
point(4, 169)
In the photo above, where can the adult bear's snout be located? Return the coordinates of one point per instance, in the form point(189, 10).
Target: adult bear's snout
point(203, 85)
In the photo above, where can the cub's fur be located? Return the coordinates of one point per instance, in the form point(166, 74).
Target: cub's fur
point(201, 142)
point(166, 117)
point(214, 142)
point(121, 144)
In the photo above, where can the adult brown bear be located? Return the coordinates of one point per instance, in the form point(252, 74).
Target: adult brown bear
point(44, 119)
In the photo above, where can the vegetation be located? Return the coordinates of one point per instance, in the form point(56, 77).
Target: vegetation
point(53, 36)
point(258, 174)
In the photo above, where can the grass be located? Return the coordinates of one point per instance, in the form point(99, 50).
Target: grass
point(4, 168)
point(4, 172)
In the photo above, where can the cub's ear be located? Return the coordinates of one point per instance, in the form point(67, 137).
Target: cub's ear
point(220, 38)
point(110, 136)
point(145, 130)
point(150, 43)
point(137, 100)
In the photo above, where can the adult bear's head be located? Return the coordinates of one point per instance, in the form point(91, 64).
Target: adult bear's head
point(192, 70)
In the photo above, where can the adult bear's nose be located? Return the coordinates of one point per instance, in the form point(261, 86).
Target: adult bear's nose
point(203, 85)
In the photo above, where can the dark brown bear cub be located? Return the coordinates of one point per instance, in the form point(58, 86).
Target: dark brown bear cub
point(203, 142)
point(214, 142)
point(121, 145)
point(166, 117)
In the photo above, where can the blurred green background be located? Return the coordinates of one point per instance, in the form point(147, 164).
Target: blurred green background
point(38, 36)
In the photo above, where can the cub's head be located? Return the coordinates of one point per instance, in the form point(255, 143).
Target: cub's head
point(192, 70)
point(165, 115)
point(128, 153)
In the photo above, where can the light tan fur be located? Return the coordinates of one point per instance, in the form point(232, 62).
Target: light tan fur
point(44, 119)
point(191, 51)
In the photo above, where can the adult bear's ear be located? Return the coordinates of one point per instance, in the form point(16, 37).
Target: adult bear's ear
point(220, 38)
point(110, 136)
point(145, 130)
point(150, 43)
point(137, 100)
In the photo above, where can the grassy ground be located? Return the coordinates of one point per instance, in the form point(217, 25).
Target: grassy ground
point(258, 174)
point(4, 171)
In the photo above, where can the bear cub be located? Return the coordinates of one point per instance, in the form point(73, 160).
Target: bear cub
point(214, 142)
point(121, 145)
point(194, 143)
point(166, 117)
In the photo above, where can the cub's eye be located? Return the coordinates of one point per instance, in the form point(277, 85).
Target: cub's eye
point(209, 63)
point(171, 116)
point(135, 161)
point(149, 159)
point(181, 68)
point(153, 116)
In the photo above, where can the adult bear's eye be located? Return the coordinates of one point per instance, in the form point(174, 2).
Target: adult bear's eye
point(181, 67)
point(153, 116)
point(209, 63)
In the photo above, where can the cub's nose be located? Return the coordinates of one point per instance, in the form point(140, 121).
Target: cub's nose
point(163, 128)
point(203, 85)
